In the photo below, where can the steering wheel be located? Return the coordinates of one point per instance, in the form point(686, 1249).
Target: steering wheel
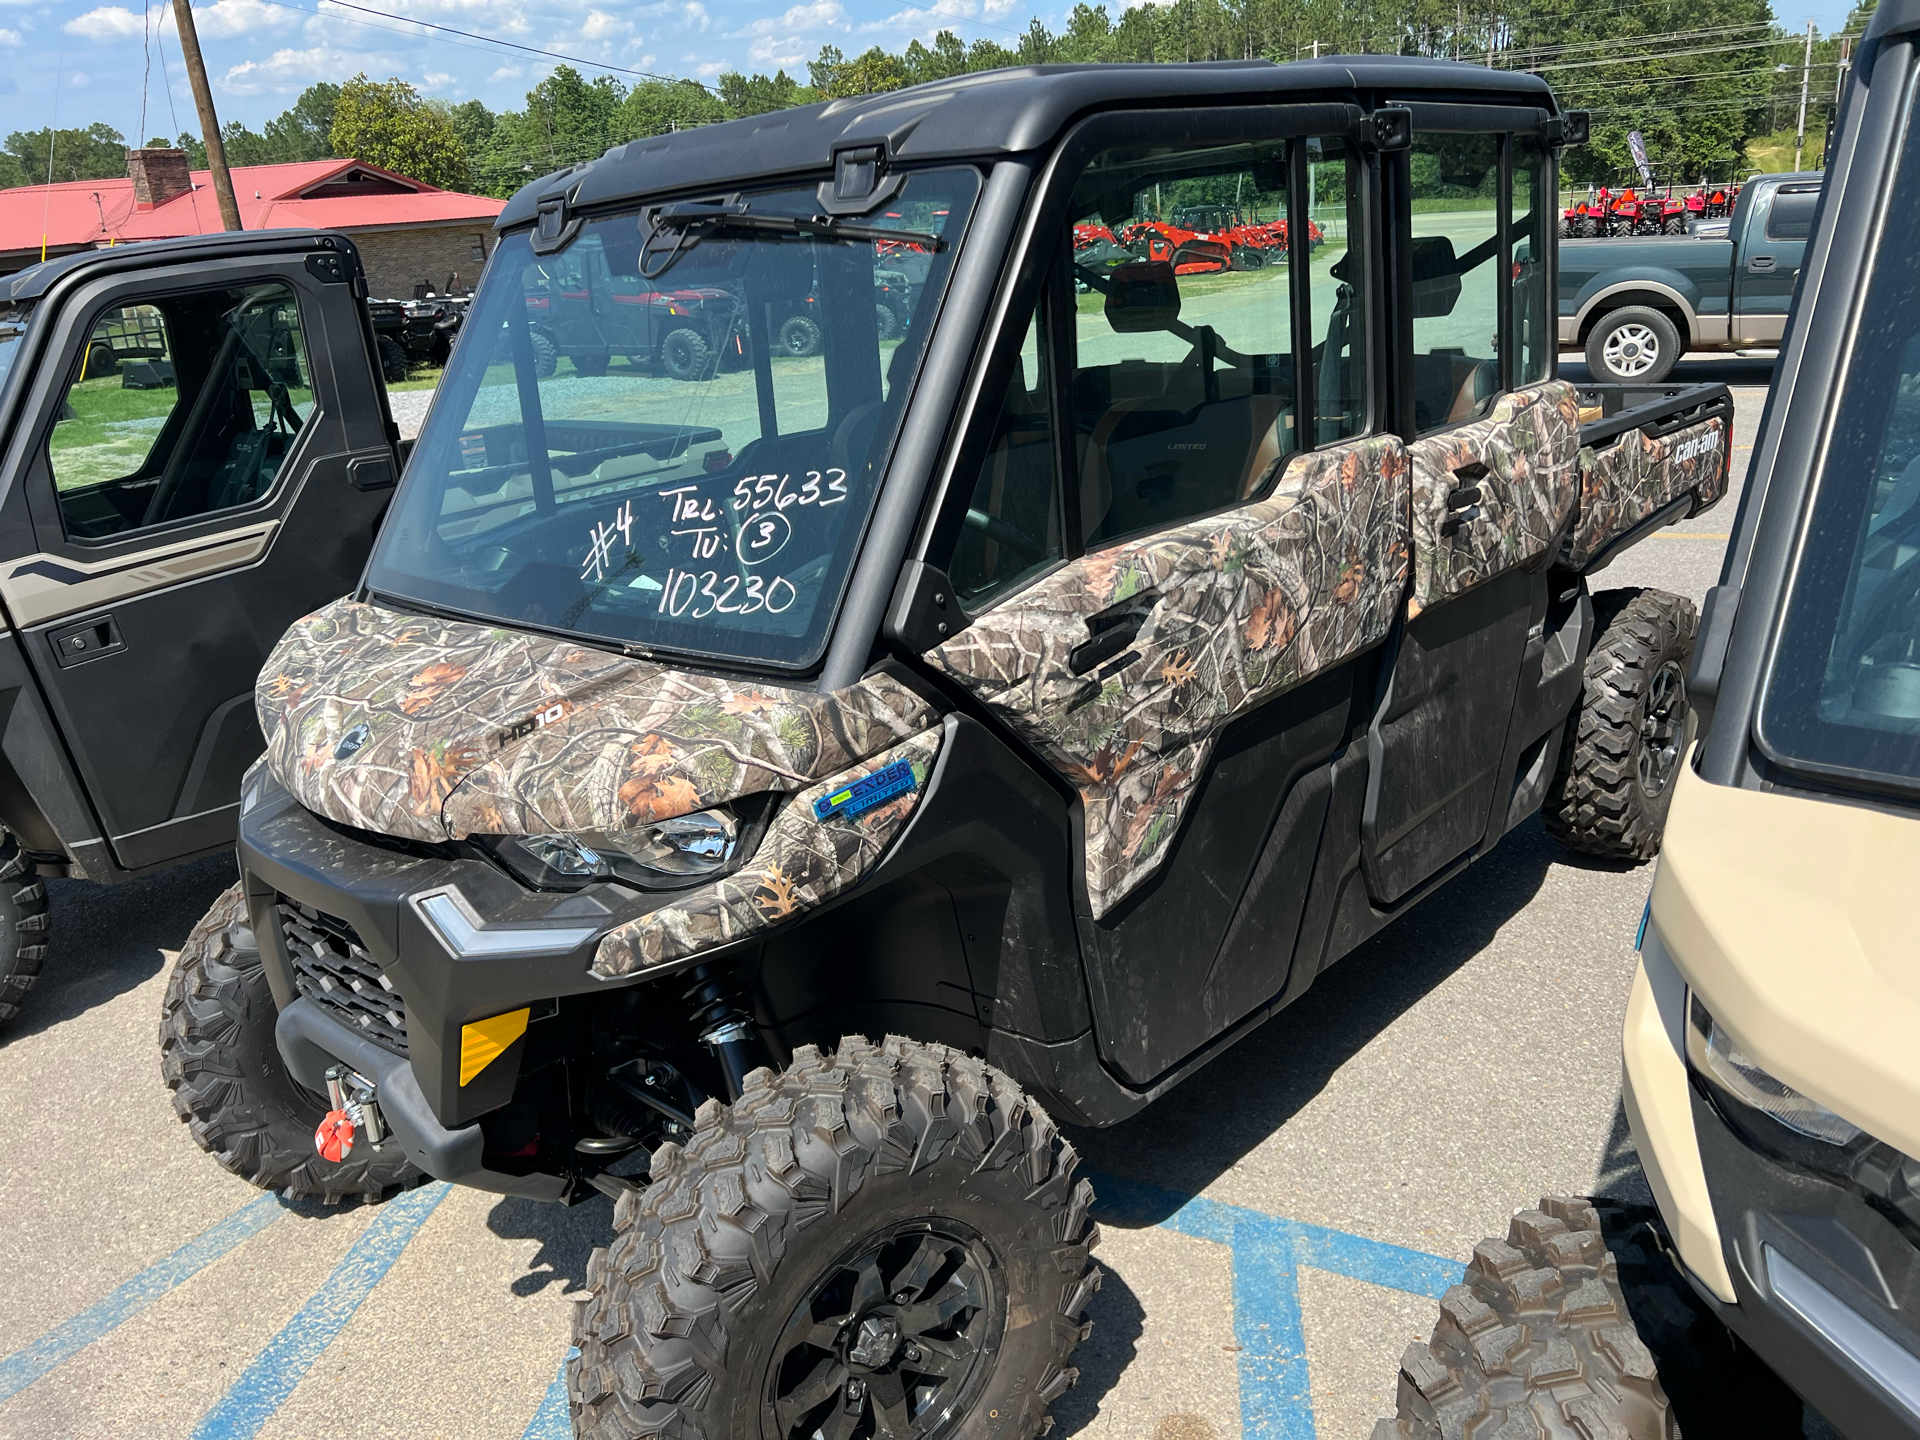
point(1011, 536)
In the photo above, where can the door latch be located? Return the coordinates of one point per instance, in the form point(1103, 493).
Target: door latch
point(89, 640)
point(1760, 264)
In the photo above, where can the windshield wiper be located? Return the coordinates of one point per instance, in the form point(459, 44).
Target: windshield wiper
point(696, 222)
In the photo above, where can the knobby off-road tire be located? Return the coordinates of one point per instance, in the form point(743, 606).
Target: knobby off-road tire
point(827, 1216)
point(1579, 1327)
point(217, 1055)
point(1626, 741)
point(24, 925)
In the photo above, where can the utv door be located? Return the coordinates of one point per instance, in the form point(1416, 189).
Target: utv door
point(1185, 630)
point(1493, 487)
point(208, 455)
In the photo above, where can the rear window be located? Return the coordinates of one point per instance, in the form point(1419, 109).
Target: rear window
point(1791, 217)
point(1843, 693)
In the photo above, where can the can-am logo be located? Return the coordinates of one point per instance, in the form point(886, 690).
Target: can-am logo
point(1699, 445)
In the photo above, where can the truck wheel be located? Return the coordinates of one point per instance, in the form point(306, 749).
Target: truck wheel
point(883, 1240)
point(1633, 344)
point(229, 1084)
point(1578, 1325)
point(799, 336)
point(393, 360)
point(24, 924)
point(1626, 740)
point(886, 322)
point(684, 355)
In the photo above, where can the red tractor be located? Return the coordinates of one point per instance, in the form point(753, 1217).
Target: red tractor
point(1583, 220)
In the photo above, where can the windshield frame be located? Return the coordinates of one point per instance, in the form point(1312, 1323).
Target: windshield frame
point(964, 189)
point(1831, 534)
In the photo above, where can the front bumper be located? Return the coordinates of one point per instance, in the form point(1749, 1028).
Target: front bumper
point(524, 948)
point(1822, 1285)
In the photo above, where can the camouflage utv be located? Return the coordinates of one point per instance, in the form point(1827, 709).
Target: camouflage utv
point(1053, 688)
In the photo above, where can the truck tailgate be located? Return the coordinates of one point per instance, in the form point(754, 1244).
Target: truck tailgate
point(1649, 455)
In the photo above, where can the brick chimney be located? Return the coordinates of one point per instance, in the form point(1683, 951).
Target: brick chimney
point(158, 175)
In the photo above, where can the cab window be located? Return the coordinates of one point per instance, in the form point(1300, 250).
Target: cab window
point(1012, 527)
point(1791, 215)
point(1455, 192)
point(180, 407)
point(1198, 326)
point(1182, 369)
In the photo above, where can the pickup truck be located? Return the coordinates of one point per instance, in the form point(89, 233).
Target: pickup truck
point(1634, 306)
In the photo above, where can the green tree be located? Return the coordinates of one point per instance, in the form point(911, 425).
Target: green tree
point(654, 107)
point(386, 123)
point(99, 152)
point(473, 123)
point(760, 94)
point(945, 57)
point(304, 130)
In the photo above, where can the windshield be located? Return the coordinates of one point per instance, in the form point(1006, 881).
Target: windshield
point(1843, 694)
point(669, 436)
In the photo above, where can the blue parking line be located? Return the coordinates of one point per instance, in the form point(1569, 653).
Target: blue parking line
point(64, 1341)
point(552, 1421)
point(265, 1384)
point(1276, 1397)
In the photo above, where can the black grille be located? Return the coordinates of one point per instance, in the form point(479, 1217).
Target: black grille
point(333, 967)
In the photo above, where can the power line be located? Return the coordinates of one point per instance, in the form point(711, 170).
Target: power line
point(489, 40)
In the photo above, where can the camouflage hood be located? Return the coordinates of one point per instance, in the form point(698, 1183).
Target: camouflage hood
point(430, 729)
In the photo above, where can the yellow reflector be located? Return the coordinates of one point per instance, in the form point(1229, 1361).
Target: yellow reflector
point(483, 1042)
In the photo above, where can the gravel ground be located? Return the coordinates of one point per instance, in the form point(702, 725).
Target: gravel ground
point(1458, 1066)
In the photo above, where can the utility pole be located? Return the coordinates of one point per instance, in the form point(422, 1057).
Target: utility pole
point(209, 121)
point(1800, 131)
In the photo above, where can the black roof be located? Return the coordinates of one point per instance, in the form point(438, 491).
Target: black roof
point(34, 281)
point(999, 112)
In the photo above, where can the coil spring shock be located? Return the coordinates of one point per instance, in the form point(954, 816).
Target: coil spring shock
point(725, 1027)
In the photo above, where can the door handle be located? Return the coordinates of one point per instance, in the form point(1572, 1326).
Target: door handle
point(89, 640)
point(1112, 631)
point(1760, 264)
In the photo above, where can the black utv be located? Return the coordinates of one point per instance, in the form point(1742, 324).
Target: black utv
point(195, 450)
point(1049, 692)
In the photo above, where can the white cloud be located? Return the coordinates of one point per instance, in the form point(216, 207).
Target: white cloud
point(226, 18)
point(435, 80)
point(508, 72)
point(109, 22)
point(80, 80)
point(287, 72)
point(694, 15)
point(599, 25)
point(815, 15)
point(10, 37)
point(782, 53)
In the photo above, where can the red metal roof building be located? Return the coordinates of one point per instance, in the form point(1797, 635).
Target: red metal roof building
point(410, 234)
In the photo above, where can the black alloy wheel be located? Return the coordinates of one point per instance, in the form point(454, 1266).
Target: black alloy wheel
point(1663, 728)
point(894, 1341)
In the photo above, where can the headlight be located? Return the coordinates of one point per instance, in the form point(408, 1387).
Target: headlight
point(1713, 1053)
point(665, 855)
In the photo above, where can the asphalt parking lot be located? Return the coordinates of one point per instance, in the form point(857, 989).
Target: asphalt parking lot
point(1274, 1230)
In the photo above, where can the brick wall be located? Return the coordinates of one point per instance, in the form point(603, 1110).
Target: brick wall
point(398, 260)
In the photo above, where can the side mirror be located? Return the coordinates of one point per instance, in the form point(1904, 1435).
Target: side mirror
point(1436, 277)
point(1144, 296)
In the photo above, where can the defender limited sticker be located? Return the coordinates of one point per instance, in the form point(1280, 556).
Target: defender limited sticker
point(863, 795)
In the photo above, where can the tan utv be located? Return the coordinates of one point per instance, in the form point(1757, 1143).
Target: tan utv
point(1772, 1046)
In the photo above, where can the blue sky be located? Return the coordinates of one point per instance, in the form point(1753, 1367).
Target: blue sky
point(82, 62)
